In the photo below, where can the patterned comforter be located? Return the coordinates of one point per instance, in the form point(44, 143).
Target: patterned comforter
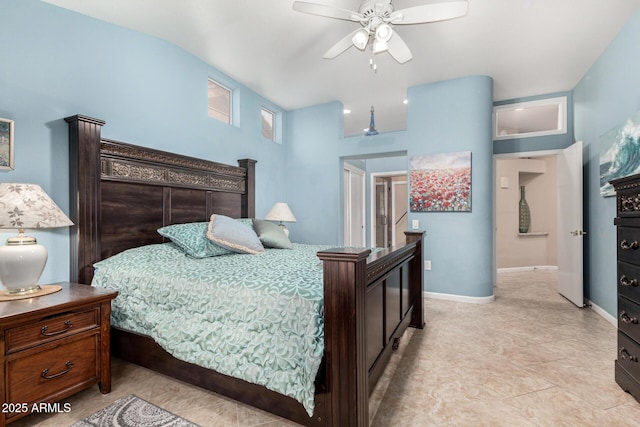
point(254, 317)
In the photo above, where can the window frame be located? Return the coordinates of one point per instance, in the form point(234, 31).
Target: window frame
point(273, 116)
point(209, 108)
point(560, 101)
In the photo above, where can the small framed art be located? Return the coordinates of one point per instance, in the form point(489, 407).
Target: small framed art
point(6, 144)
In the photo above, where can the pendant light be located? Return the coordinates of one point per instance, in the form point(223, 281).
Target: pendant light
point(372, 126)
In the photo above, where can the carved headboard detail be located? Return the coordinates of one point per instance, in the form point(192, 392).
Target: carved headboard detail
point(122, 193)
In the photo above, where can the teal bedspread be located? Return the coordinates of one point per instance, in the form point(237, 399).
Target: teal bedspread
point(254, 317)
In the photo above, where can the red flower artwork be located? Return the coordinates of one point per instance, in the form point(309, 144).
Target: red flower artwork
point(441, 183)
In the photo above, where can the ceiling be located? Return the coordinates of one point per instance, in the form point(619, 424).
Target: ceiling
point(528, 47)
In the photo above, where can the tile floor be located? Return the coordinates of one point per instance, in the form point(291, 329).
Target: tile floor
point(530, 358)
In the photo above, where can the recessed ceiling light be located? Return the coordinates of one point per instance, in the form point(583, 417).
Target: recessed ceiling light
point(346, 111)
point(406, 101)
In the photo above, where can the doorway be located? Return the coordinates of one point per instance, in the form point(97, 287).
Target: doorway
point(558, 232)
point(389, 208)
point(359, 207)
point(532, 182)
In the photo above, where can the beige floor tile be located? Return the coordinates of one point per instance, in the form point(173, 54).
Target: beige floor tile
point(531, 358)
point(555, 407)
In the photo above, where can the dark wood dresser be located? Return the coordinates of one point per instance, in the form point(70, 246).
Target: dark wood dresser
point(53, 346)
point(627, 221)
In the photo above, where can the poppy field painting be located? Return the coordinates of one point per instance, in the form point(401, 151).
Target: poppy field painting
point(440, 182)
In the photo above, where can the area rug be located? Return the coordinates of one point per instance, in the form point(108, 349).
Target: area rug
point(132, 411)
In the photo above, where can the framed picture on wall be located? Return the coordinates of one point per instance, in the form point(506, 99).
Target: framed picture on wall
point(440, 182)
point(6, 144)
point(619, 153)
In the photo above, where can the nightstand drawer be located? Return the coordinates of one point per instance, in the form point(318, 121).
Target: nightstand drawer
point(52, 328)
point(45, 374)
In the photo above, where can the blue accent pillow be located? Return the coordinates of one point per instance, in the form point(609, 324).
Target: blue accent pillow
point(246, 221)
point(233, 235)
point(192, 238)
point(271, 235)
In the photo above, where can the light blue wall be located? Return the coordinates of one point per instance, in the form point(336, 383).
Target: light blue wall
point(153, 94)
point(537, 143)
point(447, 117)
point(606, 96)
point(57, 63)
point(443, 117)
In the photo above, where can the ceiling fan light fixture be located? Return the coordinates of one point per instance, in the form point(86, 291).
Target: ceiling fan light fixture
point(361, 38)
point(383, 33)
point(377, 19)
point(380, 46)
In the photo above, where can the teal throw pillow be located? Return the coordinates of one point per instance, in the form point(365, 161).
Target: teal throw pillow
point(271, 235)
point(192, 238)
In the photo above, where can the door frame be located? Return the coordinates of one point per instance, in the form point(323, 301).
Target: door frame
point(347, 194)
point(532, 154)
point(372, 199)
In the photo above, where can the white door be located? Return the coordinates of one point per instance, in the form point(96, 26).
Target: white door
point(354, 206)
point(570, 233)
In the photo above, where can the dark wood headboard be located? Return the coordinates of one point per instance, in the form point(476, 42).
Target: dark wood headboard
point(122, 193)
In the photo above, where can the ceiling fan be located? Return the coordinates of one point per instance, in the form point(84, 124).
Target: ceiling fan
point(377, 19)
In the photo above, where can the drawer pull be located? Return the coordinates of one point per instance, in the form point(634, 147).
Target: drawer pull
point(69, 365)
point(624, 317)
point(67, 325)
point(626, 245)
point(624, 353)
point(624, 281)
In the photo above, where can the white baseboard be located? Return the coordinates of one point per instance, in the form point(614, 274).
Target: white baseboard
point(460, 298)
point(602, 312)
point(528, 268)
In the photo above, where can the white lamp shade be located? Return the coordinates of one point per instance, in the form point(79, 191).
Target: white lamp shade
point(22, 259)
point(280, 212)
point(28, 206)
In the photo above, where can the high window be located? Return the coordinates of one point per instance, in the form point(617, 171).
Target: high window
point(219, 101)
point(531, 118)
point(268, 124)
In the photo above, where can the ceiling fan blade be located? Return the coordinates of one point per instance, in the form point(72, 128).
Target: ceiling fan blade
point(341, 46)
point(326, 11)
point(398, 48)
point(429, 13)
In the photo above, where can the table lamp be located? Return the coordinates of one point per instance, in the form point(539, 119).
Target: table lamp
point(281, 212)
point(22, 259)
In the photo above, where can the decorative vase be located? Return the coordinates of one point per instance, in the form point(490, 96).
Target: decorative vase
point(525, 214)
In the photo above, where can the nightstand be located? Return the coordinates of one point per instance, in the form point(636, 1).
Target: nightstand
point(52, 347)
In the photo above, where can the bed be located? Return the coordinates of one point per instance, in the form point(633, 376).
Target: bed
point(122, 194)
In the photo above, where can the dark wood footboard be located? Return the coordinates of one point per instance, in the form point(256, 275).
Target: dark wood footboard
point(121, 194)
point(369, 300)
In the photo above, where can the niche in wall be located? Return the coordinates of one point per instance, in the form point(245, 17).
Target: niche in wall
point(538, 246)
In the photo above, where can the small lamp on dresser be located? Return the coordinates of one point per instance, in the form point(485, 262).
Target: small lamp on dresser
point(22, 259)
point(281, 212)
